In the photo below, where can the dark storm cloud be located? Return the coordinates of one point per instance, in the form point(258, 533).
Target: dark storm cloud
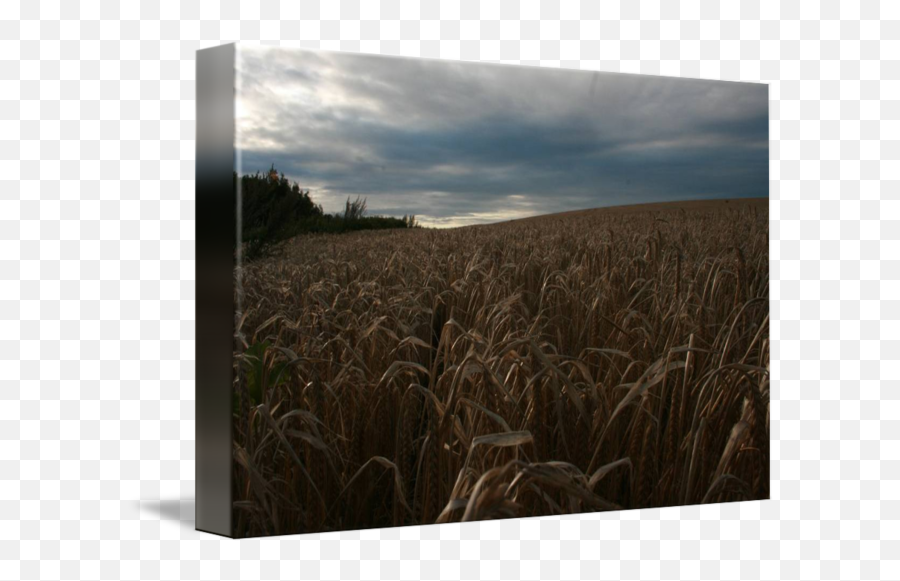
point(460, 143)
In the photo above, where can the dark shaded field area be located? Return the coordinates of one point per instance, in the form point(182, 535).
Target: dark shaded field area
point(594, 360)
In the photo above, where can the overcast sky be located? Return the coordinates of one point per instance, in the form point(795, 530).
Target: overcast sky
point(464, 143)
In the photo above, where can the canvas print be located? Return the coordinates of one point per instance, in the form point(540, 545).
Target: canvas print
point(469, 291)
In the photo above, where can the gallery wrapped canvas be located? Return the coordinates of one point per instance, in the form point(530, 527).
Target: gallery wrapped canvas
point(435, 291)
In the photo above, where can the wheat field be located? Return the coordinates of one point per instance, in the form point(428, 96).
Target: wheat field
point(596, 360)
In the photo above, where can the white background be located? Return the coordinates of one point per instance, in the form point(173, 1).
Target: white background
point(97, 288)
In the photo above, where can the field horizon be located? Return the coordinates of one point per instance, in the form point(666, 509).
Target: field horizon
point(690, 204)
point(711, 203)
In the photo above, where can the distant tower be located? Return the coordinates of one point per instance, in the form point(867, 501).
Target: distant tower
point(273, 174)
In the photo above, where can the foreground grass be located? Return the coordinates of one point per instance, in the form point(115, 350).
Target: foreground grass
point(590, 361)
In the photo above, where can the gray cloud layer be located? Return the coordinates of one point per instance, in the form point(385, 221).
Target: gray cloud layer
point(458, 143)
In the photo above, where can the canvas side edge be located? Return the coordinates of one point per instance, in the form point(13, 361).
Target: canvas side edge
point(215, 241)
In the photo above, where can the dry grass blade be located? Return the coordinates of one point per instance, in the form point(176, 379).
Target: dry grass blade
point(398, 483)
point(738, 434)
point(598, 475)
point(263, 410)
point(654, 374)
point(503, 440)
point(496, 417)
point(556, 477)
point(454, 505)
point(487, 497)
point(695, 462)
point(313, 441)
point(397, 366)
point(571, 390)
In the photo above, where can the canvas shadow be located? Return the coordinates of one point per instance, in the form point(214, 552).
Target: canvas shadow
point(173, 509)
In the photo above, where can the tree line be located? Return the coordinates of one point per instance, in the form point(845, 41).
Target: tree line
point(274, 209)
